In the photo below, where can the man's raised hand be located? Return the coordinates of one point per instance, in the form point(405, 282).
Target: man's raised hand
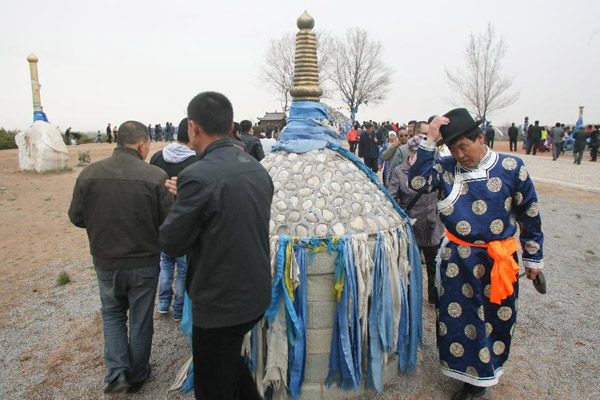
point(433, 133)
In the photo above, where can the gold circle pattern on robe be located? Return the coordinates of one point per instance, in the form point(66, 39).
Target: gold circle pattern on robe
point(442, 329)
point(471, 371)
point(504, 313)
point(523, 173)
point(497, 226)
point(494, 185)
point(484, 355)
point(463, 228)
point(471, 332)
point(467, 290)
point(451, 270)
point(446, 253)
point(487, 290)
point(533, 210)
point(509, 163)
point(457, 350)
point(508, 203)
point(418, 182)
point(498, 347)
point(454, 310)
point(479, 207)
point(480, 313)
point(464, 188)
point(464, 251)
point(448, 177)
point(446, 211)
point(488, 329)
point(531, 247)
point(438, 167)
point(478, 271)
point(518, 198)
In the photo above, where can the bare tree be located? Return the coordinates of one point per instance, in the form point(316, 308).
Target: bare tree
point(479, 85)
point(277, 70)
point(358, 73)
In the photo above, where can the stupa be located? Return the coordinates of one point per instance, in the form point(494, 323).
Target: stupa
point(346, 308)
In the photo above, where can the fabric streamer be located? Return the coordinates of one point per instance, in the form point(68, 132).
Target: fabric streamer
point(297, 354)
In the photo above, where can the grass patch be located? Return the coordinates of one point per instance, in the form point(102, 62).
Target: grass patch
point(7, 139)
point(62, 279)
point(578, 216)
point(590, 252)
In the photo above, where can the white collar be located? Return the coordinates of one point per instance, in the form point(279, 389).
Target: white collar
point(487, 161)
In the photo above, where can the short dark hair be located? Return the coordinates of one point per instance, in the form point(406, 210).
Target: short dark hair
point(236, 128)
point(412, 122)
point(471, 135)
point(431, 119)
point(213, 112)
point(418, 126)
point(182, 131)
point(132, 132)
point(537, 122)
point(557, 125)
point(245, 126)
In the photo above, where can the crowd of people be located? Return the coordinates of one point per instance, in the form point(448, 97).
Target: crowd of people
point(182, 212)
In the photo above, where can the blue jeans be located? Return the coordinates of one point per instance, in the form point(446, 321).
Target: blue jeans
point(120, 290)
point(165, 286)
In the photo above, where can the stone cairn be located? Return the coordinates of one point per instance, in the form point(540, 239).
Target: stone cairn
point(323, 195)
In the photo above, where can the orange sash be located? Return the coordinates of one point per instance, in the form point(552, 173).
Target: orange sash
point(505, 268)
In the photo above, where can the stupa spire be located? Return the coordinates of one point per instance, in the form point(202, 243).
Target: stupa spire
point(306, 68)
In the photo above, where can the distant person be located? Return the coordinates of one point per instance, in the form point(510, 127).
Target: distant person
point(489, 136)
point(173, 159)
point(267, 144)
point(109, 133)
point(411, 128)
point(580, 137)
point(594, 143)
point(557, 135)
point(513, 134)
point(235, 137)
point(534, 134)
point(68, 136)
point(367, 147)
point(121, 201)
point(253, 145)
point(99, 137)
point(115, 132)
point(222, 216)
point(352, 137)
point(397, 152)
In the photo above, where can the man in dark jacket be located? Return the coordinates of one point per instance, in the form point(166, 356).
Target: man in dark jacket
point(534, 134)
point(513, 134)
point(367, 147)
point(109, 133)
point(173, 159)
point(221, 215)
point(121, 201)
point(580, 137)
point(253, 144)
point(594, 143)
point(489, 136)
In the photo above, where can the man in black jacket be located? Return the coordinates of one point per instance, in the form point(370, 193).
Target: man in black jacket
point(173, 159)
point(121, 201)
point(513, 133)
point(221, 215)
point(253, 144)
point(367, 147)
point(534, 134)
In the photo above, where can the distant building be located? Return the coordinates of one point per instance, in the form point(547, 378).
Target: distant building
point(274, 119)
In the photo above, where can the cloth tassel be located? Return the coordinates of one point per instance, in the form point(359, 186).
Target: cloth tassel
point(182, 375)
point(345, 356)
point(391, 251)
point(277, 351)
point(297, 354)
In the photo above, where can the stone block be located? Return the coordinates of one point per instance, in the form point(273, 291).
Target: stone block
point(312, 391)
point(320, 314)
point(317, 368)
point(334, 392)
point(318, 341)
point(319, 288)
point(324, 263)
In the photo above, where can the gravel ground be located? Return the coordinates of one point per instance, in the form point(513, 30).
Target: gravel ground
point(51, 337)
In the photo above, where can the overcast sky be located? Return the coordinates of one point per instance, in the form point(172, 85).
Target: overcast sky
point(110, 61)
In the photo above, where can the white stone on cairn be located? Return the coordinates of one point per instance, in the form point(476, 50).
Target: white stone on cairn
point(41, 148)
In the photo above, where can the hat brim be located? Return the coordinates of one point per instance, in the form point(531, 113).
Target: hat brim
point(444, 140)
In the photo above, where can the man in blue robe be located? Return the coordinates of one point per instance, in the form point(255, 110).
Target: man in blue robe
point(484, 195)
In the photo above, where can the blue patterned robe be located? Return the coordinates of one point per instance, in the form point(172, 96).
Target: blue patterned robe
point(478, 205)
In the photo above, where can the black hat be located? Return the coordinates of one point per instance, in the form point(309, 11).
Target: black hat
point(368, 125)
point(460, 123)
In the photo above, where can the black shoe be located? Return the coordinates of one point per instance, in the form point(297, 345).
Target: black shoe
point(118, 385)
point(136, 386)
point(468, 392)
